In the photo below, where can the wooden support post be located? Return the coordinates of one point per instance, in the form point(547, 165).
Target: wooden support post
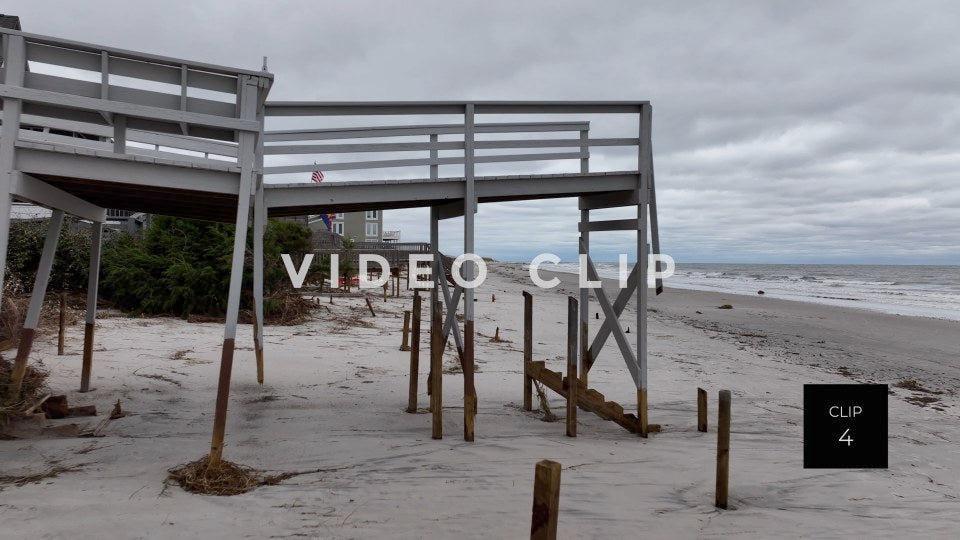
point(527, 350)
point(385, 286)
point(546, 500)
point(701, 410)
point(573, 323)
point(32, 318)
point(414, 355)
point(249, 93)
point(469, 391)
point(405, 343)
point(370, 306)
point(642, 411)
point(63, 324)
point(436, 370)
point(723, 448)
point(257, 348)
point(96, 234)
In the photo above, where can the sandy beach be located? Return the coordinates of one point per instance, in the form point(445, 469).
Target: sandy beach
point(334, 400)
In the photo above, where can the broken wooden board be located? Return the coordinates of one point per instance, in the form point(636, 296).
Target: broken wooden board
point(588, 399)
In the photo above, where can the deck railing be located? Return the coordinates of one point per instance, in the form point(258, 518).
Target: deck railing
point(107, 99)
point(307, 150)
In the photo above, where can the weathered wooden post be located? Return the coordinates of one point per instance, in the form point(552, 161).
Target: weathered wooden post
point(436, 370)
point(573, 324)
point(404, 345)
point(527, 350)
point(370, 306)
point(546, 500)
point(414, 354)
point(701, 410)
point(385, 292)
point(723, 448)
point(63, 324)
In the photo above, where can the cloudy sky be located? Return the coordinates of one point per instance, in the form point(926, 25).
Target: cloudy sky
point(783, 131)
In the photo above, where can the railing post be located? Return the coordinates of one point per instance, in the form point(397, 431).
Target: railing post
point(119, 134)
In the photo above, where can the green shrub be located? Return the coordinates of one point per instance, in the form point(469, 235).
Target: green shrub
point(181, 266)
point(69, 272)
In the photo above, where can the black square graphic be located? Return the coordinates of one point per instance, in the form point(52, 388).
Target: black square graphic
point(844, 426)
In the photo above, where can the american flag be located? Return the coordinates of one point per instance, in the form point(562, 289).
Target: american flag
point(317, 176)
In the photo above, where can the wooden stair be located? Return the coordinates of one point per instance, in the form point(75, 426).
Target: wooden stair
point(588, 399)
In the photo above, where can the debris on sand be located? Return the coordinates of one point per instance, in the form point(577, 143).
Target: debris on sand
point(725, 306)
point(228, 478)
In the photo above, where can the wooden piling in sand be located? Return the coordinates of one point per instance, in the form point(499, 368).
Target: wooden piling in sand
point(573, 325)
point(436, 370)
point(63, 324)
point(701, 410)
point(370, 306)
point(385, 292)
point(405, 343)
point(546, 500)
point(414, 355)
point(723, 448)
point(527, 350)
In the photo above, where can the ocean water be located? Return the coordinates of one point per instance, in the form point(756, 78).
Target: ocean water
point(925, 291)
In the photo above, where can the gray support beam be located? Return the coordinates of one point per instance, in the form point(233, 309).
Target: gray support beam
point(619, 335)
point(654, 228)
point(644, 169)
point(435, 270)
point(93, 282)
point(247, 161)
point(259, 224)
point(29, 188)
point(15, 66)
point(36, 300)
point(469, 209)
point(585, 361)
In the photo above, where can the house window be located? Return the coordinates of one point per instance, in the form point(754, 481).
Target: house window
point(338, 228)
point(372, 229)
point(339, 215)
point(372, 214)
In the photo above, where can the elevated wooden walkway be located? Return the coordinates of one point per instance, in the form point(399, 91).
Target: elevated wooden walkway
point(149, 133)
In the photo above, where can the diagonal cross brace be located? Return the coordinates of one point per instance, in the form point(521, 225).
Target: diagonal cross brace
point(654, 229)
point(618, 306)
point(451, 322)
point(628, 355)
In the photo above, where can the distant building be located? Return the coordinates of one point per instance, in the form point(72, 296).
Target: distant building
point(361, 226)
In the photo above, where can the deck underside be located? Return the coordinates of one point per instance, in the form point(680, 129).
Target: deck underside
point(187, 190)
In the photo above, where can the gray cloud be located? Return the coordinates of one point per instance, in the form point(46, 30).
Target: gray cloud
point(784, 131)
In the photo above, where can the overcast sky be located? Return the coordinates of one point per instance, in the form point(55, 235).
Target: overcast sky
point(783, 131)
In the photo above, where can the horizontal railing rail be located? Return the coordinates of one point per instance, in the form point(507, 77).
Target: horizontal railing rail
point(434, 152)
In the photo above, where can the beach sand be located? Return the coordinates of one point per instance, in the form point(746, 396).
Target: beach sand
point(335, 394)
